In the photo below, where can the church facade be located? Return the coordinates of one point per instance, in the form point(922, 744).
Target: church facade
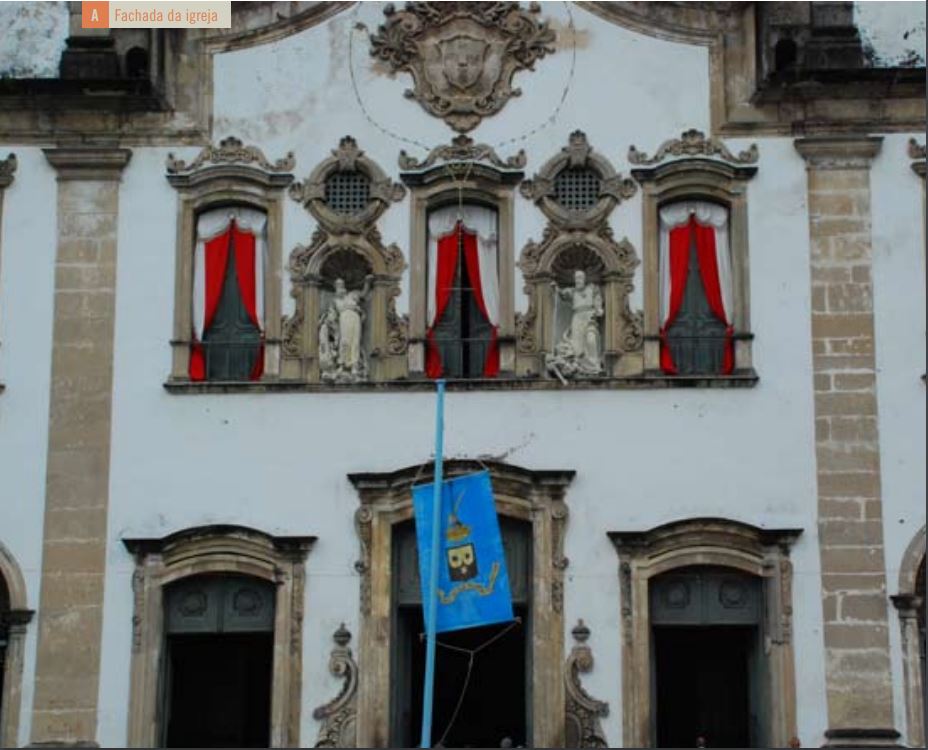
point(669, 259)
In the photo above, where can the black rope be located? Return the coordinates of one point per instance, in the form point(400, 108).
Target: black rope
point(471, 653)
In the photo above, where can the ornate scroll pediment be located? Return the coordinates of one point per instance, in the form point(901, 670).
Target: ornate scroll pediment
point(231, 151)
point(583, 711)
point(693, 143)
point(7, 169)
point(462, 55)
point(916, 151)
point(463, 149)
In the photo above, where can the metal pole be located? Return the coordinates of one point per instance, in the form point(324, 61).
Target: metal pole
point(432, 612)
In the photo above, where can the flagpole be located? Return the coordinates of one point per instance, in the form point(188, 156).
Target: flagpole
point(431, 614)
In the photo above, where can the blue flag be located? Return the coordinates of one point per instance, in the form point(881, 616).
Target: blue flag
point(473, 583)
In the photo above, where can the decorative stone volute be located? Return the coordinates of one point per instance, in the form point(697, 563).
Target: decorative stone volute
point(693, 142)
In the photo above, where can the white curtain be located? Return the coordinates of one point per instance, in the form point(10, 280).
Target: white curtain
point(707, 214)
point(477, 220)
point(211, 224)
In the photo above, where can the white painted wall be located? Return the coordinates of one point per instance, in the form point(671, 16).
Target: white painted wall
point(899, 319)
point(33, 38)
point(27, 276)
point(893, 33)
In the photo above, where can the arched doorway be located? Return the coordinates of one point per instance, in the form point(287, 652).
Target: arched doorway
point(14, 617)
point(910, 606)
point(218, 653)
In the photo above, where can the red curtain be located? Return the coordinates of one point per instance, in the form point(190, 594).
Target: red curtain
point(491, 363)
point(447, 261)
point(216, 259)
point(680, 239)
point(444, 279)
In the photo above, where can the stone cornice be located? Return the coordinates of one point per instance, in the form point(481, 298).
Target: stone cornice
point(88, 163)
point(839, 152)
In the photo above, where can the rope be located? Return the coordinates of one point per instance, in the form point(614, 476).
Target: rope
point(471, 653)
point(547, 122)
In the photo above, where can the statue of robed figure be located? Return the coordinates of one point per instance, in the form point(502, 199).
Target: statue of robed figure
point(579, 351)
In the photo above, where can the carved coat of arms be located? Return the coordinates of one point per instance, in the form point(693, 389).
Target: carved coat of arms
point(462, 55)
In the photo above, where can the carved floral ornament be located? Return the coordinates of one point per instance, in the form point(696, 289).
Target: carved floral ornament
point(339, 715)
point(693, 142)
point(462, 55)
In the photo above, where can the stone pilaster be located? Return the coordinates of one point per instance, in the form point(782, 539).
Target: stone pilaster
point(77, 473)
point(847, 451)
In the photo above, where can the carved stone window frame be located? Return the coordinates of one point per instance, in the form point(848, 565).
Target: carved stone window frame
point(216, 550)
point(721, 180)
point(536, 497)
point(227, 175)
point(579, 230)
point(908, 603)
point(17, 617)
point(468, 173)
point(717, 542)
point(7, 170)
point(357, 234)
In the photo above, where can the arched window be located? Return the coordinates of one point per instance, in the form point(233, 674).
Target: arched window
point(463, 292)
point(228, 294)
point(14, 617)
point(910, 606)
point(695, 289)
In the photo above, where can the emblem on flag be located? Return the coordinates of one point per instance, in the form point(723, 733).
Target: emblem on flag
point(473, 583)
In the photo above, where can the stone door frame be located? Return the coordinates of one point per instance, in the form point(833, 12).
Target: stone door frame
point(705, 542)
point(17, 618)
point(216, 550)
point(536, 497)
point(908, 602)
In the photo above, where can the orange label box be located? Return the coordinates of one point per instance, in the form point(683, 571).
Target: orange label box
point(95, 15)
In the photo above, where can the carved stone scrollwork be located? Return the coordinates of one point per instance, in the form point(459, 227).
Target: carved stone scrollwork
point(693, 142)
point(582, 712)
point(363, 517)
point(231, 150)
point(347, 192)
point(462, 56)
point(916, 151)
point(345, 328)
point(463, 149)
point(7, 170)
point(339, 715)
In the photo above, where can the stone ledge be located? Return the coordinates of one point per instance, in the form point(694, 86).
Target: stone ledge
point(745, 380)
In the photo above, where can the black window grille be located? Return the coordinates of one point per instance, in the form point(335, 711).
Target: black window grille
point(347, 193)
point(232, 343)
point(577, 188)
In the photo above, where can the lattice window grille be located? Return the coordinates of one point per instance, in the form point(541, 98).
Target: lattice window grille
point(577, 189)
point(347, 193)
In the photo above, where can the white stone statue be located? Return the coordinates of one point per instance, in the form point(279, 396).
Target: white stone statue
point(341, 358)
point(579, 352)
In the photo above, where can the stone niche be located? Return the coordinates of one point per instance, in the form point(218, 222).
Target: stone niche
point(345, 266)
point(577, 190)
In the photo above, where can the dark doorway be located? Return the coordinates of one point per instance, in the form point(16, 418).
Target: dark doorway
point(218, 662)
point(219, 690)
point(492, 700)
point(703, 685)
point(496, 703)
